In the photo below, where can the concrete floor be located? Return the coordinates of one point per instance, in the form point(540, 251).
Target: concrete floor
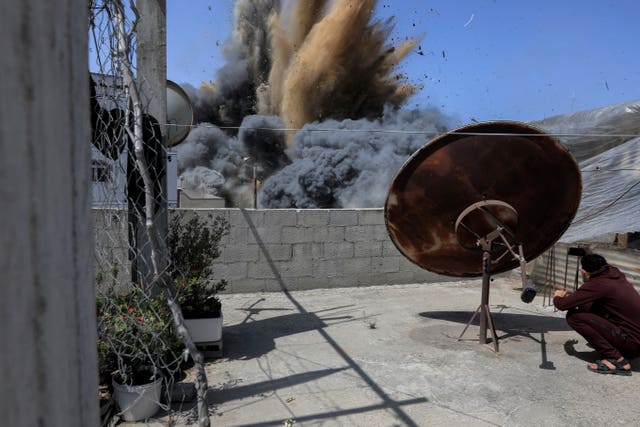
point(390, 356)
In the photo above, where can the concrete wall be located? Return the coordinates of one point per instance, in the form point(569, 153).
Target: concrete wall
point(305, 249)
point(47, 307)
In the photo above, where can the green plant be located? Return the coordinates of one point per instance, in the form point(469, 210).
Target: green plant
point(193, 246)
point(135, 337)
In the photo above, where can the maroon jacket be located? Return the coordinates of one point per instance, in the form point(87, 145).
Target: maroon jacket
point(607, 292)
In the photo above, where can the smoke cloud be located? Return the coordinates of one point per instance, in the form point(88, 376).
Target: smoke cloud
point(324, 66)
point(350, 163)
point(211, 162)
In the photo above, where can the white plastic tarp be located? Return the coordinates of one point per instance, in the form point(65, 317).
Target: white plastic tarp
point(606, 144)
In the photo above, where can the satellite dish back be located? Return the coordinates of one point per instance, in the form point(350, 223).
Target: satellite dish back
point(463, 184)
point(179, 114)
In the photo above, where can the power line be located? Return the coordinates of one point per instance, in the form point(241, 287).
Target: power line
point(413, 132)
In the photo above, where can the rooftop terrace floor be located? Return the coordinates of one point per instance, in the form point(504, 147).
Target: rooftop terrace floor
point(390, 356)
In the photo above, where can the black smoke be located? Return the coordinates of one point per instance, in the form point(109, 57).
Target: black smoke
point(350, 163)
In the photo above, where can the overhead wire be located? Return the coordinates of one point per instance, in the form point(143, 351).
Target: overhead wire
point(432, 133)
point(409, 132)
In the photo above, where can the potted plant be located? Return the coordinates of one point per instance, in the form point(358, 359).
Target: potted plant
point(193, 246)
point(137, 349)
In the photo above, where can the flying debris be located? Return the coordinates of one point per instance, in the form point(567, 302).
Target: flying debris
point(274, 73)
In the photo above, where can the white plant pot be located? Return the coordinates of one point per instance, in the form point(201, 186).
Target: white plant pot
point(205, 330)
point(137, 402)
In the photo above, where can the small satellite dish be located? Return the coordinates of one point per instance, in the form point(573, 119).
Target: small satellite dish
point(483, 199)
point(179, 114)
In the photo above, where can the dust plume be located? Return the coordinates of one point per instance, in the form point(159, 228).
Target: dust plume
point(316, 64)
point(308, 61)
point(340, 65)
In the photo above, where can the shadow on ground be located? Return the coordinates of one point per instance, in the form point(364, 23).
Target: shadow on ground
point(255, 337)
point(511, 323)
point(229, 392)
point(592, 355)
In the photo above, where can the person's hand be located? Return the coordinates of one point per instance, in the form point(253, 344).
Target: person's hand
point(560, 294)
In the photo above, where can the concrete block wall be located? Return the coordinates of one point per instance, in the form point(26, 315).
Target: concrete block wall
point(267, 250)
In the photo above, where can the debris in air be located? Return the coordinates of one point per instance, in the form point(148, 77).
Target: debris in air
point(469, 21)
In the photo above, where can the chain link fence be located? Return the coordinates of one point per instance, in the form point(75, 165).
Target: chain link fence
point(141, 335)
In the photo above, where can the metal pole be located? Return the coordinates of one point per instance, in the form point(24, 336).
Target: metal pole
point(255, 188)
point(484, 301)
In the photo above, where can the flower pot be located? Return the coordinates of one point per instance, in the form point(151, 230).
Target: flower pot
point(205, 329)
point(137, 402)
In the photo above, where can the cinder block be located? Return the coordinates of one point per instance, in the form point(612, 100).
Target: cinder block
point(343, 217)
point(338, 250)
point(239, 218)
point(385, 264)
point(250, 285)
point(367, 249)
point(241, 252)
point(313, 217)
point(276, 285)
point(295, 268)
point(381, 234)
point(323, 234)
point(305, 283)
point(342, 281)
point(277, 252)
point(400, 277)
point(257, 217)
point(355, 266)
point(215, 212)
point(280, 218)
point(265, 234)
point(371, 279)
point(230, 271)
point(237, 233)
point(297, 234)
point(421, 275)
point(389, 249)
point(311, 251)
point(406, 265)
point(359, 233)
point(371, 217)
point(327, 267)
point(237, 270)
point(260, 270)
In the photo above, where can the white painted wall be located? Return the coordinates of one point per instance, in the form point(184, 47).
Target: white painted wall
point(47, 306)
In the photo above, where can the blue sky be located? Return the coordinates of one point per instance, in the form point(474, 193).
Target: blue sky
point(483, 59)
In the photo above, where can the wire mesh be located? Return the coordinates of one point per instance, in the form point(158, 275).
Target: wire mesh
point(141, 335)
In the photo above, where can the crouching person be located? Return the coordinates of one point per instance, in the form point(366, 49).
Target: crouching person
point(605, 310)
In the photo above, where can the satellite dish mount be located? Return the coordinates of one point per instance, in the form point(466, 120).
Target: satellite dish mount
point(497, 240)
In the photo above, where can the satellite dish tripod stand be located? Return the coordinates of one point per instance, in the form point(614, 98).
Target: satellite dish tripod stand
point(501, 235)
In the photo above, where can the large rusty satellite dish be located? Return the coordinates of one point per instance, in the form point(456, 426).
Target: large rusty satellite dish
point(483, 199)
point(500, 172)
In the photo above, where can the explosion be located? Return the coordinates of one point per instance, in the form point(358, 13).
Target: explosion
point(290, 65)
point(334, 66)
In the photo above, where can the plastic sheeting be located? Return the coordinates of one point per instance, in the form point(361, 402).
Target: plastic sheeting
point(606, 144)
